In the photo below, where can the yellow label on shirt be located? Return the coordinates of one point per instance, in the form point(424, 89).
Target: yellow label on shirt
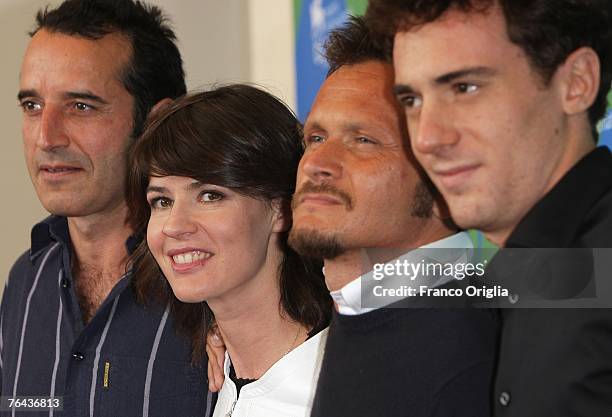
point(106, 370)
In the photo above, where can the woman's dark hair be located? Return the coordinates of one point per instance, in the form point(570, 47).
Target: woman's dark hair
point(238, 137)
point(548, 31)
point(155, 70)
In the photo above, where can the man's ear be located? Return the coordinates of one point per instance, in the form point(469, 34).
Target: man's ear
point(580, 78)
point(281, 215)
point(164, 102)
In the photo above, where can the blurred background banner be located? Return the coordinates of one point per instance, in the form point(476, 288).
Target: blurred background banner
point(313, 21)
point(605, 126)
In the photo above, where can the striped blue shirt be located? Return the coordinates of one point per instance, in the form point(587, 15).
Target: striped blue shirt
point(127, 361)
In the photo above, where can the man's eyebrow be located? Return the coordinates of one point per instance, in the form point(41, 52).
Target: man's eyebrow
point(27, 93)
point(465, 72)
point(348, 126)
point(313, 126)
point(400, 89)
point(352, 127)
point(84, 95)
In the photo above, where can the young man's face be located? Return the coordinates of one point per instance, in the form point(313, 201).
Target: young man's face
point(77, 120)
point(490, 134)
point(358, 184)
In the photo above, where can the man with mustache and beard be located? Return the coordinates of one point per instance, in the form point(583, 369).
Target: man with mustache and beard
point(360, 193)
point(71, 327)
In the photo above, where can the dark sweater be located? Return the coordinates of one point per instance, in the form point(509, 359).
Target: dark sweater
point(408, 362)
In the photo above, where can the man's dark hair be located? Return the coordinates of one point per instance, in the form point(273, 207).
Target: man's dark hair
point(155, 70)
point(351, 44)
point(237, 137)
point(548, 31)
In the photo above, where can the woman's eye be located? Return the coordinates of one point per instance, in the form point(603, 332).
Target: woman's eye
point(210, 196)
point(160, 203)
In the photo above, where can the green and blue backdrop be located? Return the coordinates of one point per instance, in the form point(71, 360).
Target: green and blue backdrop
point(605, 126)
point(313, 21)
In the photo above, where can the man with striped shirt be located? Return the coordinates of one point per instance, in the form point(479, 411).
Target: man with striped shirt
point(72, 334)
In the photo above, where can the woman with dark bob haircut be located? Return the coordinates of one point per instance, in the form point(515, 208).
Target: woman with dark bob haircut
point(210, 182)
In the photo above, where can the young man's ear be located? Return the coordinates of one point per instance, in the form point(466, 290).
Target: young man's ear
point(281, 215)
point(580, 77)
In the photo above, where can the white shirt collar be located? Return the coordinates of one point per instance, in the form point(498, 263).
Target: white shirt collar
point(286, 389)
point(348, 299)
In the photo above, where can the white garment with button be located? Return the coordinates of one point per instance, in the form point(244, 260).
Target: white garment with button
point(351, 298)
point(285, 390)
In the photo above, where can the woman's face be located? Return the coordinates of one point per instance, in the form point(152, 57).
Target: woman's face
point(210, 241)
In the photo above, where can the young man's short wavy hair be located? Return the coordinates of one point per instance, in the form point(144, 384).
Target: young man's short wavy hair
point(548, 31)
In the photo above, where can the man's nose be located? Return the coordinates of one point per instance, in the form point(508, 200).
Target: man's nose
point(433, 131)
point(51, 132)
point(323, 161)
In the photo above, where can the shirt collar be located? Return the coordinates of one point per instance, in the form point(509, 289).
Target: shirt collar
point(55, 229)
point(566, 204)
point(348, 298)
point(50, 230)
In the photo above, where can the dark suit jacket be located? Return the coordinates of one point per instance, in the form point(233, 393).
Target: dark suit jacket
point(558, 362)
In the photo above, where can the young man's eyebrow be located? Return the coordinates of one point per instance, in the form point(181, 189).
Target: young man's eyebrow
point(399, 89)
point(447, 78)
point(464, 72)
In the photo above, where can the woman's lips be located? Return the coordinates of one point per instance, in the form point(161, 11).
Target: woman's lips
point(185, 260)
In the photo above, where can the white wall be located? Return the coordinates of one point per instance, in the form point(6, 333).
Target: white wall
point(272, 47)
point(20, 208)
point(221, 41)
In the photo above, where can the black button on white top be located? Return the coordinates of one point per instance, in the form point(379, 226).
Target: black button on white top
point(78, 356)
point(504, 398)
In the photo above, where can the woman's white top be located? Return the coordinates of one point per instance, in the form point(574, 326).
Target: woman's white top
point(285, 390)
